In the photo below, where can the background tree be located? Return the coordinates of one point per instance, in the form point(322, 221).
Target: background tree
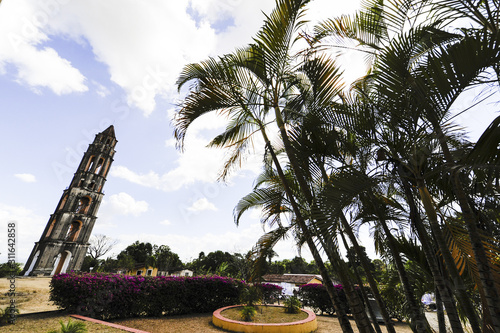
point(140, 252)
point(165, 259)
point(100, 245)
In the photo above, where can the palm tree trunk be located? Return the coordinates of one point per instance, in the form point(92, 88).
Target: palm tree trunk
point(439, 280)
point(332, 292)
point(362, 289)
point(440, 312)
point(362, 321)
point(357, 308)
point(371, 281)
point(365, 264)
point(418, 321)
point(448, 259)
point(492, 295)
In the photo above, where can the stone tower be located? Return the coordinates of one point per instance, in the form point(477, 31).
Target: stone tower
point(64, 241)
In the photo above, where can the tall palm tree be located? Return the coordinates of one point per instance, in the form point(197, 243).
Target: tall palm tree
point(249, 86)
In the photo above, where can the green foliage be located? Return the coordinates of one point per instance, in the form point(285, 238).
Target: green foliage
point(247, 313)
point(8, 269)
point(71, 327)
point(91, 263)
point(292, 305)
point(146, 254)
point(250, 295)
point(6, 315)
point(139, 251)
point(219, 263)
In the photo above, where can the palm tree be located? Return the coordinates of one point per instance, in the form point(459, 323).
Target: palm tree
point(246, 86)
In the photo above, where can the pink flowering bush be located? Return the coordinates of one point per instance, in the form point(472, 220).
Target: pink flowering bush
point(316, 297)
point(270, 292)
point(108, 296)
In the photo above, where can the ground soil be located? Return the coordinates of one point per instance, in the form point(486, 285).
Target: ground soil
point(33, 299)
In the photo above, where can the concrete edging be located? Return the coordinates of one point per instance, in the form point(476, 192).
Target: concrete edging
point(125, 328)
point(303, 326)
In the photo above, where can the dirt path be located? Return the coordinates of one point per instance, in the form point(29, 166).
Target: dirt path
point(32, 294)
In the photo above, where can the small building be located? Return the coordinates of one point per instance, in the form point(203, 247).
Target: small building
point(184, 272)
point(292, 282)
point(141, 269)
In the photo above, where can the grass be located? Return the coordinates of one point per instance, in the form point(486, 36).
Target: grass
point(45, 322)
point(266, 314)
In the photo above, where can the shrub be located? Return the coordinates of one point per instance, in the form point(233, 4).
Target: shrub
point(247, 313)
point(292, 305)
point(250, 295)
point(316, 297)
point(9, 268)
point(7, 314)
point(71, 327)
point(108, 296)
point(270, 292)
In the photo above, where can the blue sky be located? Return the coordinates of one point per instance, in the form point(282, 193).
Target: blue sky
point(71, 68)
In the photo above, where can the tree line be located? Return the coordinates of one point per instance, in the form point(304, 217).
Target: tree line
point(234, 265)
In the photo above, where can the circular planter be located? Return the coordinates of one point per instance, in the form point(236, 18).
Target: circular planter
point(303, 326)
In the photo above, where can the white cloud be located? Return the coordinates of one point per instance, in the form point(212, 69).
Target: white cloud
point(29, 227)
point(100, 89)
point(143, 44)
point(196, 163)
point(166, 222)
point(23, 32)
point(201, 205)
point(26, 177)
point(124, 204)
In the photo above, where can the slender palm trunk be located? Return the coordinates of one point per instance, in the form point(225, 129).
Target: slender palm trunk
point(355, 303)
point(362, 320)
point(364, 263)
point(418, 320)
point(430, 254)
point(332, 292)
point(371, 312)
point(451, 267)
point(440, 312)
point(369, 276)
point(492, 295)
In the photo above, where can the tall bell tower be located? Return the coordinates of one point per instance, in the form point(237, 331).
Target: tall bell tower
point(64, 242)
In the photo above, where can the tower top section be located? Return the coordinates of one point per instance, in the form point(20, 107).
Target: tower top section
point(106, 137)
point(110, 131)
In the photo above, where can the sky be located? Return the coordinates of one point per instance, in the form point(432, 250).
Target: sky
point(71, 68)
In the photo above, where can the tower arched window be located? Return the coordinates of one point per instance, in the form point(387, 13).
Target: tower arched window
point(82, 205)
point(90, 164)
point(74, 231)
point(100, 163)
point(81, 182)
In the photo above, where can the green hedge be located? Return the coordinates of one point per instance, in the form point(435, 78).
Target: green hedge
point(119, 296)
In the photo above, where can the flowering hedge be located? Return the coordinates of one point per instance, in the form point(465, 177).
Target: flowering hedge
point(108, 296)
point(316, 296)
point(270, 292)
